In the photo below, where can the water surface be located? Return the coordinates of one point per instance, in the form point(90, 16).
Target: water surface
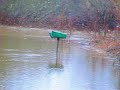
point(28, 59)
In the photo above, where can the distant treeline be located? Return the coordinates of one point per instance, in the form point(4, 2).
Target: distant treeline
point(62, 14)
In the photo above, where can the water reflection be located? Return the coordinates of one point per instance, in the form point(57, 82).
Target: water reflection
point(116, 74)
point(101, 67)
point(29, 63)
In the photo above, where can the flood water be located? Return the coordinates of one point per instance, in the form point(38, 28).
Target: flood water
point(28, 62)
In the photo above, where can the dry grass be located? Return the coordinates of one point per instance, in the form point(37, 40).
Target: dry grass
point(107, 44)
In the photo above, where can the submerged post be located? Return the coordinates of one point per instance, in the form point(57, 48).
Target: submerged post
point(59, 35)
point(57, 50)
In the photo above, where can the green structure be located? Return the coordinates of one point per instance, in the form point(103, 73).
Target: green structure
point(58, 35)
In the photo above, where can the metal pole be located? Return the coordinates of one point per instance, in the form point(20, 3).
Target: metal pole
point(57, 49)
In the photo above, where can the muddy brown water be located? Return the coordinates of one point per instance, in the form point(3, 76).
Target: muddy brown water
point(28, 62)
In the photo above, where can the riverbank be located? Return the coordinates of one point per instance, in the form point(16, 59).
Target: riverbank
point(107, 44)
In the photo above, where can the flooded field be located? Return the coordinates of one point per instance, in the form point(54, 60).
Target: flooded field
point(28, 57)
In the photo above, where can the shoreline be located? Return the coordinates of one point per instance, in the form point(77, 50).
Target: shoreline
point(101, 45)
point(107, 45)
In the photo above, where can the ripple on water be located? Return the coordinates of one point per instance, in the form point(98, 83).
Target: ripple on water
point(17, 50)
